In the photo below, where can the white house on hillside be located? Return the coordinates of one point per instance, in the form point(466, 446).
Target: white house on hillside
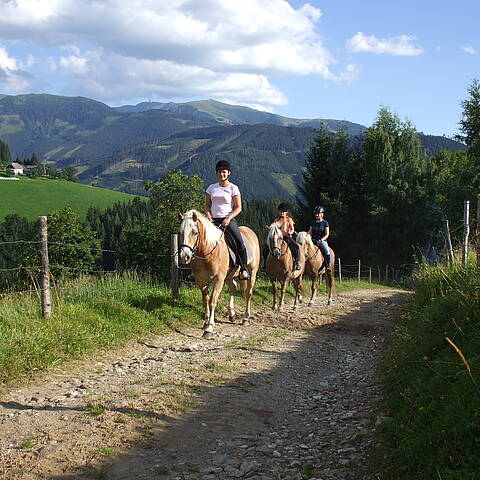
point(15, 168)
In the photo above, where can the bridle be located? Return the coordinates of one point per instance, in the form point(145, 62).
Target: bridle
point(279, 248)
point(195, 245)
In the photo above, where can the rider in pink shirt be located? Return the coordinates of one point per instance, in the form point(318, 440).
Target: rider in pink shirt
point(223, 203)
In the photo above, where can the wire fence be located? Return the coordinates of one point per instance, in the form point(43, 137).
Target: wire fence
point(180, 274)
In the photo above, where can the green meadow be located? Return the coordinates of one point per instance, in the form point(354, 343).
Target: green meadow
point(32, 197)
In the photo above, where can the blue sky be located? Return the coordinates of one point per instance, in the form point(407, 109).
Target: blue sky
point(321, 59)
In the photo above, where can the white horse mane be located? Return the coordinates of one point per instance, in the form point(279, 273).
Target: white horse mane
point(304, 238)
point(212, 233)
point(275, 231)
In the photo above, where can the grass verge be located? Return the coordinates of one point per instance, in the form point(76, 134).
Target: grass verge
point(430, 376)
point(88, 314)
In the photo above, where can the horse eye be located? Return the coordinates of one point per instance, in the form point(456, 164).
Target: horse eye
point(195, 233)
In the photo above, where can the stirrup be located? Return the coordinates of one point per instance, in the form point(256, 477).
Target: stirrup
point(243, 274)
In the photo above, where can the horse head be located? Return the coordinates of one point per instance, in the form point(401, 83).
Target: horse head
point(274, 240)
point(189, 236)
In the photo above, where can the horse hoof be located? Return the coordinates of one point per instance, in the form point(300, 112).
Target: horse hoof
point(310, 304)
point(246, 321)
point(207, 335)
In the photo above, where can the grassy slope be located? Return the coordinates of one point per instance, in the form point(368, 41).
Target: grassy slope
point(30, 198)
point(432, 388)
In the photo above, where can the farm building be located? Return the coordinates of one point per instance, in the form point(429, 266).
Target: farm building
point(15, 168)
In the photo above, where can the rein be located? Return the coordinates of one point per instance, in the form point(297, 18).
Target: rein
point(314, 255)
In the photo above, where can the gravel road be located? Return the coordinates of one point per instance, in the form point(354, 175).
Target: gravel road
point(292, 396)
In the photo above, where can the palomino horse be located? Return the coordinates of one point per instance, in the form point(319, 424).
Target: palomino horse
point(280, 266)
point(314, 265)
point(203, 246)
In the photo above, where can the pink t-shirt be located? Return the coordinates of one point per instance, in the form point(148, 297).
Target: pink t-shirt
point(222, 199)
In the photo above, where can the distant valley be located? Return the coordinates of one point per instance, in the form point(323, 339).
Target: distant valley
point(119, 148)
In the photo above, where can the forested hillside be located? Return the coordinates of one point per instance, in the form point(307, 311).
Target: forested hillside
point(120, 150)
point(79, 131)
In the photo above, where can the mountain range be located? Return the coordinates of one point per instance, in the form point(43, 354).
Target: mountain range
point(121, 147)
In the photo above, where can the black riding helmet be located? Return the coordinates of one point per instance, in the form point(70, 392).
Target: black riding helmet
point(223, 165)
point(283, 207)
point(318, 209)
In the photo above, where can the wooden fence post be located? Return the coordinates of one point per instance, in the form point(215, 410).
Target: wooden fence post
point(45, 275)
point(386, 273)
point(339, 270)
point(359, 270)
point(378, 268)
point(466, 230)
point(175, 277)
point(449, 241)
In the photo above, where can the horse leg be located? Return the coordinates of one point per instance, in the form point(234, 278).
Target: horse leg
point(232, 285)
point(314, 289)
point(283, 289)
point(297, 283)
point(206, 305)
point(329, 282)
point(274, 288)
point(208, 327)
point(248, 292)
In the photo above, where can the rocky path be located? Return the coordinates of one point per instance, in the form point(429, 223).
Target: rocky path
point(290, 397)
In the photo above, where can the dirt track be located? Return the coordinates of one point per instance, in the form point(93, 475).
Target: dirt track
point(291, 396)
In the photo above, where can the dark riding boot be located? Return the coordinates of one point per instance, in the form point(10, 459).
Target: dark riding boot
point(297, 264)
point(327, 263)
point(242, 256)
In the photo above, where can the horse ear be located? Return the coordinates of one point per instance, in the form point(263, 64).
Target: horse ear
point(267, 227)
point(194, 217)
point(180, 216)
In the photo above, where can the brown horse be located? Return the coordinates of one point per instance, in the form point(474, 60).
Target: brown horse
point(203, 246)
point(280, 267)
point(314, 266)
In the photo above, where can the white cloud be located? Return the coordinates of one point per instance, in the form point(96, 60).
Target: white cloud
point(135, 48)
point(469, 49)
point(401, 45)
point(13, 77)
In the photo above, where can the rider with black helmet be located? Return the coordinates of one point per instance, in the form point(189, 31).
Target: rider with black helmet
point(319, 231)
point(223, 203)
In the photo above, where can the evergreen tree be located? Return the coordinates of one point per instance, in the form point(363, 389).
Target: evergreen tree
point(5, 156)
point(333, 178)
point(470, 123)
point(399, 217)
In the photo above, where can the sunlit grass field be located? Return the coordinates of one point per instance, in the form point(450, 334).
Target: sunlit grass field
point(32, 197)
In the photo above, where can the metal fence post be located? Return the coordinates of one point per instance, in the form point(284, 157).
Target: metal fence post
point(478, 229)
point(339, 270)
point(466, 230)
point(359, 270)
point(45, 276)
